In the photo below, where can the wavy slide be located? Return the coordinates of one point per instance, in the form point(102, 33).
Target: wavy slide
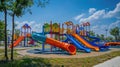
point(83, 41)
point(17, 41)
point(78, 44)
point(65, 46)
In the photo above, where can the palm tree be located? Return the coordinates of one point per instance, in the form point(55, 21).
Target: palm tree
point(4, 6)
point(115, 32)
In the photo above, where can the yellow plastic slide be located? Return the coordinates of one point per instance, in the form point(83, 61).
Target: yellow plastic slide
point(17, 41)
point(84, 42)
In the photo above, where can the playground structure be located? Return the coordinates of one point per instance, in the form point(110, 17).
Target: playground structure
point(69, 38)
point(25, 29)
point(65, 46)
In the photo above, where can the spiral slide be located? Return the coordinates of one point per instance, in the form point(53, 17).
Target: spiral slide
point(17, 41)
point(84, 42)
point(65, 46)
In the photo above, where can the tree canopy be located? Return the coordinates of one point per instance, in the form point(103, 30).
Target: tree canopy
point(115, 32)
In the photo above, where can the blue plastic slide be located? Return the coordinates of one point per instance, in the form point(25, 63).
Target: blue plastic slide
point(77, 43)
point(101, 46)
point(95, 38)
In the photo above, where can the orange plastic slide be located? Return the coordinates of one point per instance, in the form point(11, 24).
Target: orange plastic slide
point(112, 43)
point(17, 41)
point(65, 46)
point(84, 42)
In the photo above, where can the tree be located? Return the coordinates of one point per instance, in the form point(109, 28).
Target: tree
point(91, 33)
point(97, 35)
point(102, 37)
point(19, 8)
point(115, 32)
point(4, 6)
point(109, 38)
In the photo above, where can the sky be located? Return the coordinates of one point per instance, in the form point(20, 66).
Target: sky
point(102, 14)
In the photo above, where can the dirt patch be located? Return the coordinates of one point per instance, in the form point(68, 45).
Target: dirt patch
point(78, 55)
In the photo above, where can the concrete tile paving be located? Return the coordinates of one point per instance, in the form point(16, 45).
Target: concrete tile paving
point(115, 62)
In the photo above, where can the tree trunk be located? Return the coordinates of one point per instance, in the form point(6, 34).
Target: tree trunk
point(6, 55)
point(13, 16)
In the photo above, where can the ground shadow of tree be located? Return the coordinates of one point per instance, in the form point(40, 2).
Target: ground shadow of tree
point(27, 62)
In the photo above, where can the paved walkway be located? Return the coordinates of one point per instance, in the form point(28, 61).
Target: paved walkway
point(115, 62)
point(78, 55)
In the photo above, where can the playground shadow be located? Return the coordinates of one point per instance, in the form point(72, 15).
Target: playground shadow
point(105, 50)
point(4, 61)
point(117, 46)
point(47, 51)
point(81, 51)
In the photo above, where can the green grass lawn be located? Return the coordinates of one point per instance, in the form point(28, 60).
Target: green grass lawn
point(27, 61)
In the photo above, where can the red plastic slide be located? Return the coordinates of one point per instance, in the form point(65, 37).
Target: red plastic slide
point(17, 41)
point(65, 46)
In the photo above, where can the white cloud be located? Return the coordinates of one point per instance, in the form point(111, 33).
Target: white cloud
point(79, 17)
point(100, 14)
point(100, 29)
point(95, 16)
point(115, 24)
point(92, 10)
point(114, 13)
point(34, 26)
